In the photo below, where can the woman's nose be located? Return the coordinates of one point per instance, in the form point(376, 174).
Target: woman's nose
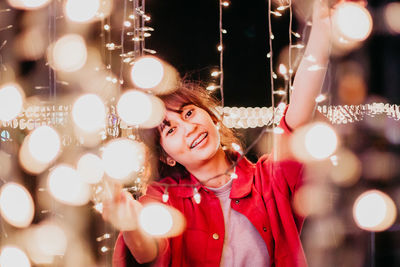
point(189, 127)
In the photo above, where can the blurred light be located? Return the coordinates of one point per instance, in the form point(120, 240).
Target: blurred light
point(278, 130)
point(11, 256)
point(44, 144)
point(69, 53)
point(374, 211)
point(121, 157)
point(31, 44)
point(11, 101)
point(157, 113)
point(90, 168)
point(66, 186)
point(16, 205)
point(353, 21)
point(165, 197)
point(45, 241)
point(282, 69)
point(392, 16)
point(320, 141)
point(81, 11)
point(346, 168)
point(219, 48)
point(147, 72)
point(89, 113)
point(311, 199)
point(215, 73)
point(155, 219)
point(134, 107)
point(5, 164)
point(320, 98)
point(28, 4)
point(225, 3)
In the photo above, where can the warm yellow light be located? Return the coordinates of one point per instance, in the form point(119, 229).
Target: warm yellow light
point(44, 144)
point(66, 186)
point(353, 21)
point(374, 211)
point(321, 141)
point(31, 44)
point(28, 4)
point(11, 256)
point(392, 16)
point(81, 11)
point(11, 101)
point(69, 53)
point(134, 107)
point(346, 168)
point(122, 157)
point(89, 113)
point(46, 241)
point(320, 98)
point(147, 72)
point(16, 205)
point(90, 168)
point(157, 113)
point(155, 219)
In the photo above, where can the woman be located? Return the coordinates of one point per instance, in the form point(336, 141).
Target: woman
point(239, 222)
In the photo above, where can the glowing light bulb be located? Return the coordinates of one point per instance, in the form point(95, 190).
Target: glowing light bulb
point(89, 113)
point(374, 211)
point(155, 219)
point(66, 186)
point(44, 144)
point(11, 101)
point(90, 168)
point(353, 21)
point(320, 98)
point(121, 157)
point(16, 205)
point(147, 72)
point(69, 53)
point(321, 141)
point(81, 11)
point(134, 107)
point(11, 256)
point(165, 197)
point(282, 69)
point(196, 196)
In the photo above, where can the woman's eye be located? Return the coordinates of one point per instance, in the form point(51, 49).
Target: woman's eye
point(170, 131)
point(189, 113)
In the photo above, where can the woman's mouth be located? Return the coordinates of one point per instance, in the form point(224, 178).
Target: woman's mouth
point(198, 140)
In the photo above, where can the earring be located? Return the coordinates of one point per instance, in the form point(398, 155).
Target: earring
point(171, 162)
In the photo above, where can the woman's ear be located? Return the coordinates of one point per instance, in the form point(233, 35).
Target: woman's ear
point(170, 161)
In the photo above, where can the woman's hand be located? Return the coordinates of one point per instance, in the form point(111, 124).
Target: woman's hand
point(122, 211)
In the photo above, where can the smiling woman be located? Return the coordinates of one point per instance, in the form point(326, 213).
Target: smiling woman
point(244, 218)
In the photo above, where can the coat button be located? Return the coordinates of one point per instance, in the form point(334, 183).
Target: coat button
point(216, 236)
point(265, 229)
point(237, 201)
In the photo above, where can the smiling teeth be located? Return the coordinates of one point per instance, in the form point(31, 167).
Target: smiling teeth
point(198, 140)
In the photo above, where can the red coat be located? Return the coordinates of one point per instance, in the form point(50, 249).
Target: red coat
point(263, 192)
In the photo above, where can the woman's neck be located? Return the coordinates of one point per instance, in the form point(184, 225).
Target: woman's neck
point(215, 167)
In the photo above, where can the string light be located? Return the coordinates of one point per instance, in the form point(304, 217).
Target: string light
point(165, 196)
point(196, 195)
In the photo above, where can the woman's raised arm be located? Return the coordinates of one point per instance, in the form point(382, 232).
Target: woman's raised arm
point(311, 72)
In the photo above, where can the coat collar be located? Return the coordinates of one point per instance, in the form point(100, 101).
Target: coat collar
point(241, 186)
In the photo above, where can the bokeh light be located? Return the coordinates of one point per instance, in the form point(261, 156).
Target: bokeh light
point(392, 16)
point(155, 219)
point(11, 101)
point(81, 11)
point(122, 157)
point(312, 142)
point(147, 72)
point(5, 164)
point(346, 168)
point(353, 21)
point(31, 44)
point(28, 4)
point(66, 186)
point(312, 199)
point(69, 53)
point(11, 256)
point(90, 168)
point(134, 107)
point(89, 113)
point(16, 205)
point(45, 241)
point(374, 211)
point(44, 144)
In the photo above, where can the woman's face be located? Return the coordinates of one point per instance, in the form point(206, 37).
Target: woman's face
point(189, 137)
